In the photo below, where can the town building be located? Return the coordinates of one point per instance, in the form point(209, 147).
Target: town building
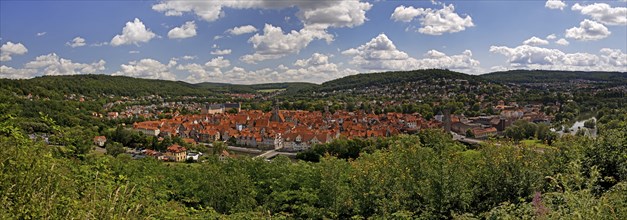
point(100, 141)
point(176, 153)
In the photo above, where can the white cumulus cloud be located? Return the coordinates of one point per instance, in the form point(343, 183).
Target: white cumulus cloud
point(534, 41)
point(218, 62)
point(221, 52)
point(603, 13)
point(134, 32)
point(379, 49)
point(333, 13)
point(211, 71)
point(562, 42)
point(316, 16)
point(587, 31)
point(52, 64)
point(246, 29)
point(406, 14)
point(315, 74)
point(434, 21)
point(186, 30)
point(316, 68)
point(76, 42)
point(275, 44)
point(526, 54)
point(99, 44)
point(320, 13)
point(380, 53)
point(198, 73)
point(555, 4)
point(531, 57)
point(12, 73)
point(9, 49)
point(315, 60)
point(614, 57)
point(147, 69)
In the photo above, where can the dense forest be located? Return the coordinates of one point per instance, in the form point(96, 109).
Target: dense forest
point(55, 87)
point(97, 85)
point(387, 78)
point(547, 76)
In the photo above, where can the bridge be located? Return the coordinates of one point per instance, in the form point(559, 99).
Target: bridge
point(267, 155)
point(466, 140)
point(273, 153)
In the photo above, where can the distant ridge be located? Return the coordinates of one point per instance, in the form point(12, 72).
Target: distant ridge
point(94, 85)
point(386, 78)
point(549, 76)
point(237, 88)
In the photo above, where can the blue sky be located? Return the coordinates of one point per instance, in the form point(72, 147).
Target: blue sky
point(258, 41)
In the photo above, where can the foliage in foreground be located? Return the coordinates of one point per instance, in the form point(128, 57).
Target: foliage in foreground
point(424, 176)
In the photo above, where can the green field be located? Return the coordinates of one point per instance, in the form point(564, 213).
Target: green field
point(270, 90)
point(534, 143)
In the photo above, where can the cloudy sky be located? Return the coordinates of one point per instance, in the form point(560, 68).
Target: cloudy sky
point(258, 41)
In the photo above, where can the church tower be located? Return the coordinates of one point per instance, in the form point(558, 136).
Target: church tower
point(276, 114)
point(447, 120)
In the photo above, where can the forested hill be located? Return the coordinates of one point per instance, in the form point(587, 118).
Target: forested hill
point(538, 76)
point(94, 85)
point(388, 78)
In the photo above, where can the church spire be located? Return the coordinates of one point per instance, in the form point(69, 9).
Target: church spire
point(276, 114)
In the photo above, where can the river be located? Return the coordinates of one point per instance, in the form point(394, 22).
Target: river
point(579, 125)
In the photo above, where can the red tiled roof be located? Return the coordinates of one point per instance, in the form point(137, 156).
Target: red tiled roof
point(189, 140)
point(100, 138)
point(175, 148)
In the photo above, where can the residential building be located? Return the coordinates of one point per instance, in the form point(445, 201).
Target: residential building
point(176, 153)
point(100, 141)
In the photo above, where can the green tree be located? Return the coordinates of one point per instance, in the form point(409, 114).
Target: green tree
point(74, 141)
point(590, 124)
point(609, 154)
point(516, 133)
point(165, 143)
point(470, 134)
point(218, 147)
point(114, 148)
